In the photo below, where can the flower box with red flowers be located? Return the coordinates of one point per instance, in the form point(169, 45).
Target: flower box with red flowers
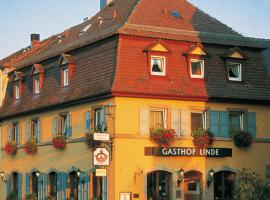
point(11, 147)
point(202, 139)
point(30, 147)
point(163, 137)
point(59, 142)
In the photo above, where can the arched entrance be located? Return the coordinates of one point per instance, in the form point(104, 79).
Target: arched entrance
point(159, 185)
point(192, 185)
point(224, 184)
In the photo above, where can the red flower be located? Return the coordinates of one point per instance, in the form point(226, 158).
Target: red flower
point(202, 139)
point(59, 142)
point(163, 137)
point(11, 148)
point(30, 147)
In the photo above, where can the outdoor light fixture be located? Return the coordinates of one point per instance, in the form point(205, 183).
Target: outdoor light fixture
point(210, 177)
point(2, 174)
point(110, 109)
point(37, 174)
point(180, 176)
point(79, 172)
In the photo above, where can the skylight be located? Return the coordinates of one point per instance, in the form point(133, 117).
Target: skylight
point(176, 14)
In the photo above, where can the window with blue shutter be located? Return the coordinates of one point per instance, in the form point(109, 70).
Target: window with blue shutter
point(9, 131)
point(214, 123)
point(27, 129)
point(223, 124)
point(100, 120)
point(68, 126)
point(55, 126)
point(27, 184)
point(86, 180)
point(64, 185)
point(88, 122)
point(44, 182)
point(251, 127)
point(38, 131)
point(105, 188)
point(80, 187)
point(59, 184)
point(8, 184)
point(19, 186)
point(39, 180)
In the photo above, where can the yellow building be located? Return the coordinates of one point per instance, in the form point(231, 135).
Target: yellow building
point(131, 71)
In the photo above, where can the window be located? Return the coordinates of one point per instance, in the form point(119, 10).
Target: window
point(65, 77)
point(158, 65)
point(35, 129)
point(63, 124)
point(34, 183)
point(73, 185)
point(14, 182)
point(100, 120)
point(16, 133)
point(158, 119)
point(196, 68)
point(159, 185)
point(17, 91)
point(36, 85)
point(234, 71)
point(52, 180)
point(198, 120)
point(236, 121)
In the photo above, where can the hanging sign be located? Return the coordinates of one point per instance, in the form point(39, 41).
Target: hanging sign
point(101, 136)
point(101, 172)
point(101, 157)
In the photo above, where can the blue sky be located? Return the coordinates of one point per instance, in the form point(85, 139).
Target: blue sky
point(20, 18)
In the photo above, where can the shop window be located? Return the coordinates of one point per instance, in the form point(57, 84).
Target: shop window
point(224, 185)
point(52, 180)
point(158, 65)
point(73, 185)
point(159, 184)
point(35, 130)
point(34, 183)
point(158, 119)
point(100, 120)
point(234, 71)
point(196, 68)
point(198, 120)
point(16, 132)
point(236, 121)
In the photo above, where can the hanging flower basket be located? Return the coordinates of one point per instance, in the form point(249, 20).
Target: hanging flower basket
point(242, 139)
point(11, 148)
point(90, 142)
point(163, 137)
point(59, 142)
point(202, 139)
point(30, 147)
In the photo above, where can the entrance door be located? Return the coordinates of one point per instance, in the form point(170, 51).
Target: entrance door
point(192, 185)
point(224, 182)
point(159, 185)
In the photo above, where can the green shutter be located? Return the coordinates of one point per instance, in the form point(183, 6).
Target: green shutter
point(44, 184)
point(27, 184)
point(252, 124)
point(38, 131)
point(19, 186)
point(80, 187)
point(105, 188)
point(59, 185)
point(86, 179)
point(223, 124)
point(214, 123)
point(64, 184)
point(68, 133)
point(88, 121)
point(40, 187)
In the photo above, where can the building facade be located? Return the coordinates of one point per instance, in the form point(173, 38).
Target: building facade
point(136, 67)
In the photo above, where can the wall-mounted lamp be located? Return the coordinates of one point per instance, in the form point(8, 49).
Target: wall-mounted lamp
point(180, 176)
point(110, 109)
point(37, 174)
point(210, 177)
point(2, 174)
point(79, 172)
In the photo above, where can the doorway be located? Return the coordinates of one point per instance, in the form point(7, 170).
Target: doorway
point(192, 185)
point(224, 184)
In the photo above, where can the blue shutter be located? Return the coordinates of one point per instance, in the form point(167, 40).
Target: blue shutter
point(9, 133)
point(105, 188)
point(18, 135)
point(223, 124)
point(88, 122)
point(86, 192)
point(27, 184)
point(40, 187)
point(59, 185)
point(80, 187)
point(103, 119)
point(214, 126)
point(19, 186)
point(8, 184)
point(55, 126)
point(252, 124)
point(64, 185)
point(28, 131)
point(38, 131)
point(44, 184)
point(68, 133)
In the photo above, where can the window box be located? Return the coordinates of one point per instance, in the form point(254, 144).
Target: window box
point(59, 142)
point(163, 137)
point(11, 148)
point(30, 147)
point(196, 68)
point(158, 65)
point(202, 139)
point(234, 71)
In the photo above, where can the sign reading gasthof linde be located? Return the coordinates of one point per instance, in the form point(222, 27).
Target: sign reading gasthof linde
point(186, 151)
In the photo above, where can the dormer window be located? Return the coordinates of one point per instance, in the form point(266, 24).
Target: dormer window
point(66, 64)
point(158, 65)
point(38, 73)
point(196, 68)
point(17, 85)
point(36, 85)
point(234, 71)
point(17, 90)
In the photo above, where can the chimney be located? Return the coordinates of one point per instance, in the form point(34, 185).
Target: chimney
point(104, 3)
point(35, 39)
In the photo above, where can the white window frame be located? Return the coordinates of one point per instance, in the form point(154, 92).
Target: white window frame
point(65, 76)
point(17, 91)
point(164, 113)
point(239, 68)
point(204, 118)
point(163, 58)
point(241, 118)
point(34, 129)
point(63, 124)
point(202, 68)
point(15, 131)
point(37, 84)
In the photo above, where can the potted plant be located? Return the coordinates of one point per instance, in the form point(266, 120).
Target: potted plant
point(242, 139)
point(30, 147)
point(31, 197)
point(202, 139)
point(11, 147)
point(163, 137)
point(59, 142)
